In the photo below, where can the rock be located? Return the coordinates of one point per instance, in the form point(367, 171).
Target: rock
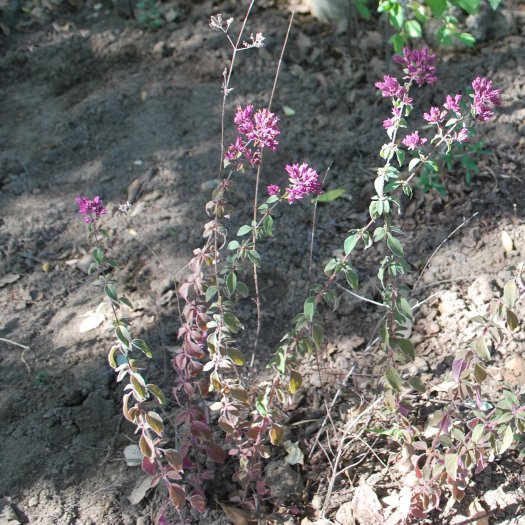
point(514, 371)
point(500, 498)
point(366, 507)
point(161, 286)
point(345, 514)
point(283, 480)
point(479, 292)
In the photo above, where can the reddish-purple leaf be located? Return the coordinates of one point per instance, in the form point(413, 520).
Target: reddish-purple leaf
point(149, 466)
point(216, 453)
point(198, 502)
point(163, 520)
point(200, 430)
point(177, 494)
point(173, 458)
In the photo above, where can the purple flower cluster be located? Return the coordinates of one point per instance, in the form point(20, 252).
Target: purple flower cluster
point(394, 121)
point(452, 103)
point(413, 141)
point(485, 98)
point(303, 181)
point(435, 115)
point(90, 209)
point(260, 131)
point(390, 87)
point(419, 65)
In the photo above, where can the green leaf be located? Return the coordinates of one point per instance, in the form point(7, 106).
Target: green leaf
point(111, 292)
point(397, 42)
point(400, 154)
point(126, 301)
point(512, 320)
point(510, 294)
point(142, 346)
point(393, 378)
point(467, 39)
point(121, 337)
point(155, 422)
point(417, 384)
point(236, 356)
point(331, 195)
point(480, 373)
point(296, 381)
point(111, 357)
point(495, 3)
point(432, 164)
point(363, 10)
point(267, 225)
point(231, 322)
point(508, 438)
point(482, 349)
point(260, 405)
point(157, 393)
point(396, 17)
point(233, 245)
point(413, 29)
point(231, 282)
point(254, 256)
point(210, 293)
point(243, 230)
point(288, 111)
point(350, 243)
point(404, 308)
point(451, 465)
point(112, 263)
point(309, 308)
point(394, 245)
point(406, 347)
point(351, 277)
point(413, 163)
point(139, 386)
point(438, 7)
point(242, 289)
point(98, 256)
point(318, 335)
point(470, 6)
point(477, 432)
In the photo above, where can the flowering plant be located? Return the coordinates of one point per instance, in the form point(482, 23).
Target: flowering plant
point(210, 389)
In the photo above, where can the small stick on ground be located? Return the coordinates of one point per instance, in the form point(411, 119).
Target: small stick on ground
point(24, 348)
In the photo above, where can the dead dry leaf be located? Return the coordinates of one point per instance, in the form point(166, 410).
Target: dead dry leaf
point(295, 454)
point(8, 278)
point(506, 242)
point(133, 455)
point(238, 516)
point(93, 320)
point(139, 492)
point(366, 506)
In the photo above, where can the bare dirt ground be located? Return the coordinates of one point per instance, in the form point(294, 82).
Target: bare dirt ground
point(94, 105)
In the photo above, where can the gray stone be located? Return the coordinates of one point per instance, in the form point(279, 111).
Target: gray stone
point(282, 479)
point(345, 514)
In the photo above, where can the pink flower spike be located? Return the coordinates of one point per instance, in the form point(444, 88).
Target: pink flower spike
point(434, 116)
point(243, 119)
point(390, 87)
point(461, 136)
point(91, 209)
point(419, 65)
point(303, 181)
point(413, 141)
point(452, 104)
point(273, 190)
point(265, 130)
point(485, 98)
